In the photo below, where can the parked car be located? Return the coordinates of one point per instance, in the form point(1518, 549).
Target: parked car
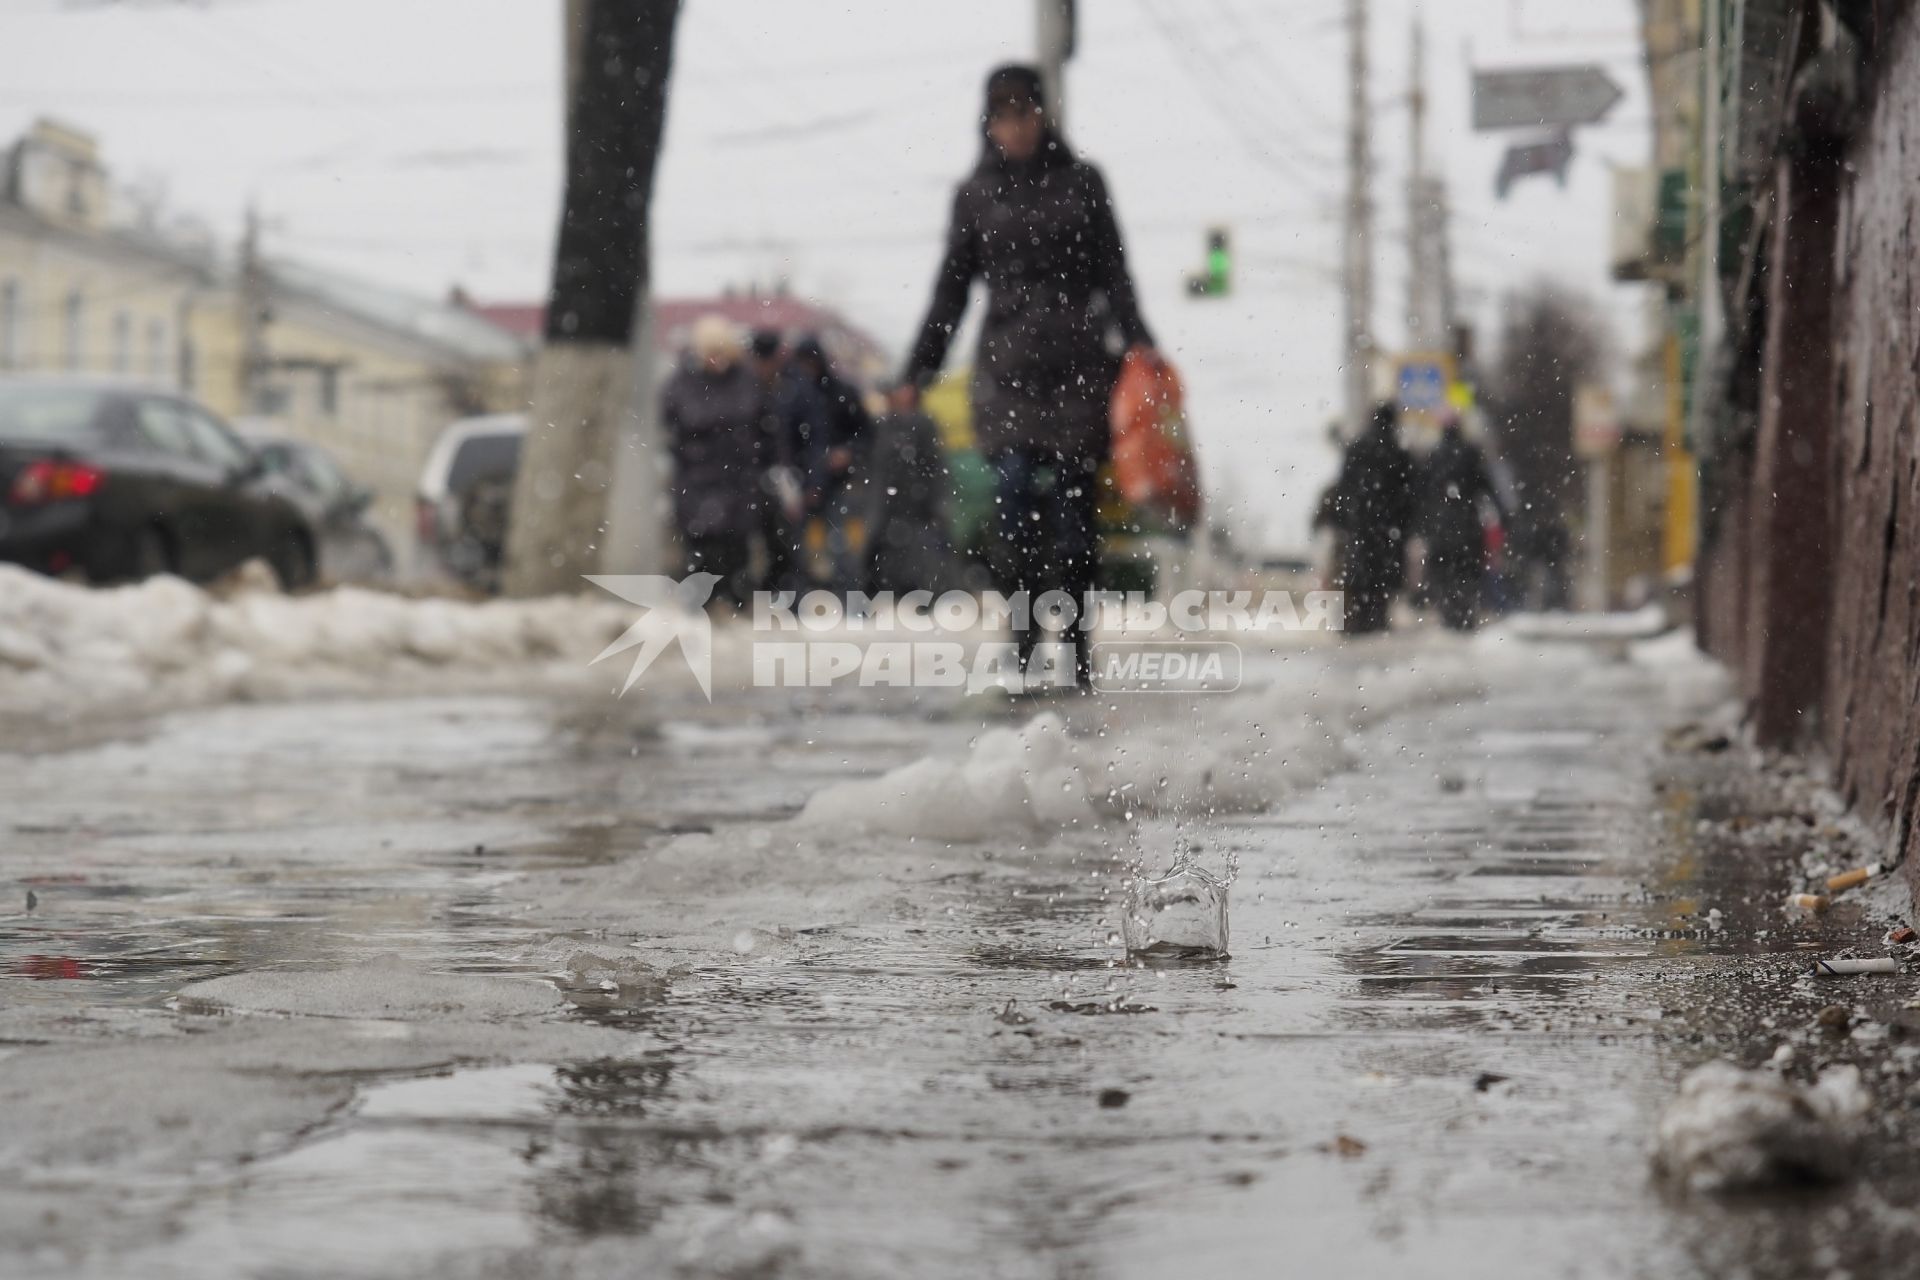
point(351, 548)
point(115, 482)
point(465, 492)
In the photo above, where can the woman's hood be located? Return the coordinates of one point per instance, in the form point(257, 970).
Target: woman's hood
point(1024, 80)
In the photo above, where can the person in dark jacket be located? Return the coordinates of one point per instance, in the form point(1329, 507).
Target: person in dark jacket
point(782, 512)
point(822, 423)
point(1036, 224)
point(712, 408)
point(905, 475)
point(1373, 506)
point(1453, 484)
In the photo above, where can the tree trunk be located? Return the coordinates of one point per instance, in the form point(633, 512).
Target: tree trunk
point(593, 412)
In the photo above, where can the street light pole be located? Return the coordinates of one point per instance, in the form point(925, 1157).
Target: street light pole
point(1359, 230)
point(1053, 32)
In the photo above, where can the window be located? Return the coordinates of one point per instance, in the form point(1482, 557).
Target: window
point(157, 349)
point(278, 459)
point(212, 440)
point(76, 326)
point(122, 351)
point(64, 415)
point(483, 457)
point(9, 324)
point(163, 424)
point(305, 466)
point(321, 474)
point(189, 364)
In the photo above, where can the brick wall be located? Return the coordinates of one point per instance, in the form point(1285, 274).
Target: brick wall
point(1872, 698)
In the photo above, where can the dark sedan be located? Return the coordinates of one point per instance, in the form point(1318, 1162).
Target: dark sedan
point(116, 483)
point(352, 549)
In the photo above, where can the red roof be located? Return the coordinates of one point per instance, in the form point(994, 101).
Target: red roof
point(524, 319)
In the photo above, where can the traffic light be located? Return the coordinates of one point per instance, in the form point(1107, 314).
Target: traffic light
point(1216, 280)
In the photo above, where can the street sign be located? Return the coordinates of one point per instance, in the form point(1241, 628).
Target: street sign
point(1543, 97)
point(1423, 385)
point(1596, 422)
point(1549, 155)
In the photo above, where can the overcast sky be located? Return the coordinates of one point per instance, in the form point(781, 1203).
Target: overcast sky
point(420, 141)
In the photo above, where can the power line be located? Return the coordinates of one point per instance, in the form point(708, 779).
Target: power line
point(271, 99)
point(1210, 88)
point(1255, 47)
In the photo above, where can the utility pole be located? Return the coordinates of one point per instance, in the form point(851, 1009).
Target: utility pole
point(1426, 329)
point(590, 495)
point(1054, 35)
point(254, 304)
point(1359, 237)
point(1711, 308)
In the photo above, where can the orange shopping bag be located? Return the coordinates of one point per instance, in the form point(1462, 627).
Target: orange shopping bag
point(1153, 463)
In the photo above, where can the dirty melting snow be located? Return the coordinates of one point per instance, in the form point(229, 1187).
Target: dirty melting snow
point(1733, 1130)
point(165, 642)
point(1053, 792)
point(1224, 755)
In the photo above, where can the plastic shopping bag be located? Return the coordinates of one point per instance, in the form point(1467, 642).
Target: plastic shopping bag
point(1154, 468)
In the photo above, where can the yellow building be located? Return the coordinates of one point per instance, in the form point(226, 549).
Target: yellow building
point(369, 373)
point(78, 295)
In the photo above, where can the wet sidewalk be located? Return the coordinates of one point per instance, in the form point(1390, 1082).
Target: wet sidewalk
point(1468, 969)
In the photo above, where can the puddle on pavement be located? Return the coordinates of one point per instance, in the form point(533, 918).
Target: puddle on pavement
point(981, 1055)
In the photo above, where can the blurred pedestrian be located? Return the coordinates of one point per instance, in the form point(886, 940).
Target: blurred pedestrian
point(1373, 506)
point(822, 423)
point(1036, 224)
point(782, 511)
point(1454, 483)
point(906, 481)
point(713, 409)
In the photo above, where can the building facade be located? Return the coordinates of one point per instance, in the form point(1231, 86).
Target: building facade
point(1806, 391)
point(89, 286)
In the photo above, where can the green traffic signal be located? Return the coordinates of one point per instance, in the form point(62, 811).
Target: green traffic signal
point(1217, 280)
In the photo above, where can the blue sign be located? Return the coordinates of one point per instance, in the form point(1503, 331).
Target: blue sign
point(1423, 387)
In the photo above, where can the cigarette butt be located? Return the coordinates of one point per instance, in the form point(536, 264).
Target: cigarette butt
point(1842, 968)
point(1848, 879)
point(1808, 902)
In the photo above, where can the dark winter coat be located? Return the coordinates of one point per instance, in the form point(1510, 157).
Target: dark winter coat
point(714, 426)
point(905, 479)
point(817, 415)
point(1043, 237)
point(905, 470)
point(1373, 503)
point(1454, 482)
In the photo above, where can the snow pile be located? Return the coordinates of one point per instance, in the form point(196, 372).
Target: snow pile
point(1732, 1130)
point(601, 970)
point(1224, 755)
point(1012, 780)
point(165, 642)
point(1639, 624)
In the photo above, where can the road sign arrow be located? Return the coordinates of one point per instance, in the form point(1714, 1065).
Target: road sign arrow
point(1543, 97)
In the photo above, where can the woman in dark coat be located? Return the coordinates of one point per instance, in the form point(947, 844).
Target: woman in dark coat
point(713, 409)
point(1035, 223)
point(1373, 505)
